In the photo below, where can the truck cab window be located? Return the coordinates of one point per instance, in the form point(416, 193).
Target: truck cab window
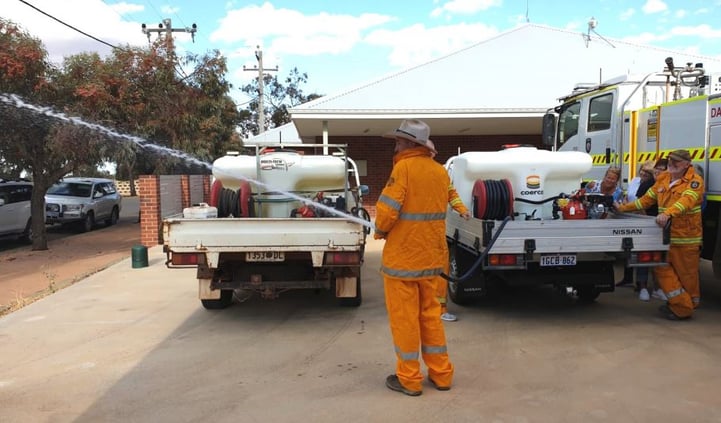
point(568, 122)
point(599, 113)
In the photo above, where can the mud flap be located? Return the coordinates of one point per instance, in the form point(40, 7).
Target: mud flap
point(345, 286)
point(204, 291)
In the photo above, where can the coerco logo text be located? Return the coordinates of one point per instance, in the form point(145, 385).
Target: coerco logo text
point(533, 183)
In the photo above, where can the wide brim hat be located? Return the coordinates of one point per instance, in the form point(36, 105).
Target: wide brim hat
point(648, 166)
point(413, 130)
point(679, 155)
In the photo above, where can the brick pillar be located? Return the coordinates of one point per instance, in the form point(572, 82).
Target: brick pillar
point(149, 191)
point(206, 189)
point(185, 190)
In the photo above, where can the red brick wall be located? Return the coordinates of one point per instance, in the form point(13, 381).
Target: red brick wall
point(149, 193)
point(378, 153)
point(150, 215)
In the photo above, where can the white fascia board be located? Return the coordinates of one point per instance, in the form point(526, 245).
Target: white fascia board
point(420, 115)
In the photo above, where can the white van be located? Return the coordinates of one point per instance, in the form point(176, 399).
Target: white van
point(15, 218)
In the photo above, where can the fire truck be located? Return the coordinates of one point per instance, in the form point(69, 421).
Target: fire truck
point(634, 118)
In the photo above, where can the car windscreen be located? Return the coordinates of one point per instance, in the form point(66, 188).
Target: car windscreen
point(70, 189)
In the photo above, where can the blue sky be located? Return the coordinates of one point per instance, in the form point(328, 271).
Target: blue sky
point(342, 44)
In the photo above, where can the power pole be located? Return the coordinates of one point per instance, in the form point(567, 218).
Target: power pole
point(167, 27)
point(261, 71)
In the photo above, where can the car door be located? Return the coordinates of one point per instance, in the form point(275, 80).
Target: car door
point(101, 200)
point(14, 214)
point(7, 217)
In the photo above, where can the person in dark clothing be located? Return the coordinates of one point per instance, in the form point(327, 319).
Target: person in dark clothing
point(647, 181)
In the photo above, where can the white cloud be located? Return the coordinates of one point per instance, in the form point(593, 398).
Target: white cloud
point(60, 40)
point(125, 8)
point(417, 44)
point(680, 14)
point(465, 7)
point(654, 6)
point(702, 31)
point(626, 14)
point(169, 10)
point(292, 32)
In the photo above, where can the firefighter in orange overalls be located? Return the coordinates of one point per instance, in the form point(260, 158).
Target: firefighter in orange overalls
point(410, 216)
point(454, 200)
point(678, 193)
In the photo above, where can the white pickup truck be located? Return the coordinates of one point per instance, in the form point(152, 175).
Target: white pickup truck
point(533, 225)
point(277, 220)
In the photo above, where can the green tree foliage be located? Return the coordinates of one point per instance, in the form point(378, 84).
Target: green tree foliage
point(46, 148)
point(181, 105)
point(279, 96)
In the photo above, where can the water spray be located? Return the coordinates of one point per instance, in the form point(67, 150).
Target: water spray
point(17, 102)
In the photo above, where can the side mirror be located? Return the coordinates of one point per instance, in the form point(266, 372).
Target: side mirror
point(364, 190)
point(548, 132)
point(2, 201)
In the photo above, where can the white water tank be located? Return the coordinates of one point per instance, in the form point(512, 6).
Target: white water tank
point(534, 174)
point(273, 174)
point(282, 171)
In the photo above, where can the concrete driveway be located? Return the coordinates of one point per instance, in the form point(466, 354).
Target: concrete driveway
point(135, 345)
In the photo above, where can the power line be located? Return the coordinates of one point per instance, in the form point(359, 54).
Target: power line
point(70, 26)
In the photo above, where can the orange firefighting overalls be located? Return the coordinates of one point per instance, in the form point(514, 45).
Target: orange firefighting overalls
point(410, 215)
point(454, 200)
point(682, 201)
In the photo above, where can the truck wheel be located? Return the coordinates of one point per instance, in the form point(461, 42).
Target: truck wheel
point(226, 298)
point(353, 301)
point(459, 263)
point(588, 294)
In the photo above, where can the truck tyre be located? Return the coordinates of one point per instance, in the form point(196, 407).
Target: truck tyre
point(459, 261)
point(353, 301)
point(226, 298)
point(587, 294)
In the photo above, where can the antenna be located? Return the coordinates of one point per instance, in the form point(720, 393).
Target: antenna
point(592, 24)
point(527, 19)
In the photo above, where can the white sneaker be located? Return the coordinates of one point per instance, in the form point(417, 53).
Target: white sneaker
point(658, 294)
point(644, 295)
point(448, 317)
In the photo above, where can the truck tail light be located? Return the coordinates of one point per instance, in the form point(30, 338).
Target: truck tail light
point(503, 260)
point(649, 257)
point(342, 258)
point(185, 259)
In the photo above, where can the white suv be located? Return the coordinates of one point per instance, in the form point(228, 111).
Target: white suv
point(83, 201)
point(15, 218)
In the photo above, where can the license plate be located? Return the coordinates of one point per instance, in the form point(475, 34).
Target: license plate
point(559, 260)
point(265, 256)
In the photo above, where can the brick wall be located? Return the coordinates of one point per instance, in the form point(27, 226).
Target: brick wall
point(378, 153)
point(167, 195)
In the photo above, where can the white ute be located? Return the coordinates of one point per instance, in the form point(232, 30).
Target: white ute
point(277, 220)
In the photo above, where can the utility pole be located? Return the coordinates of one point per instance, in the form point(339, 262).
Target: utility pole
point(261, 71)
point(167, 27)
